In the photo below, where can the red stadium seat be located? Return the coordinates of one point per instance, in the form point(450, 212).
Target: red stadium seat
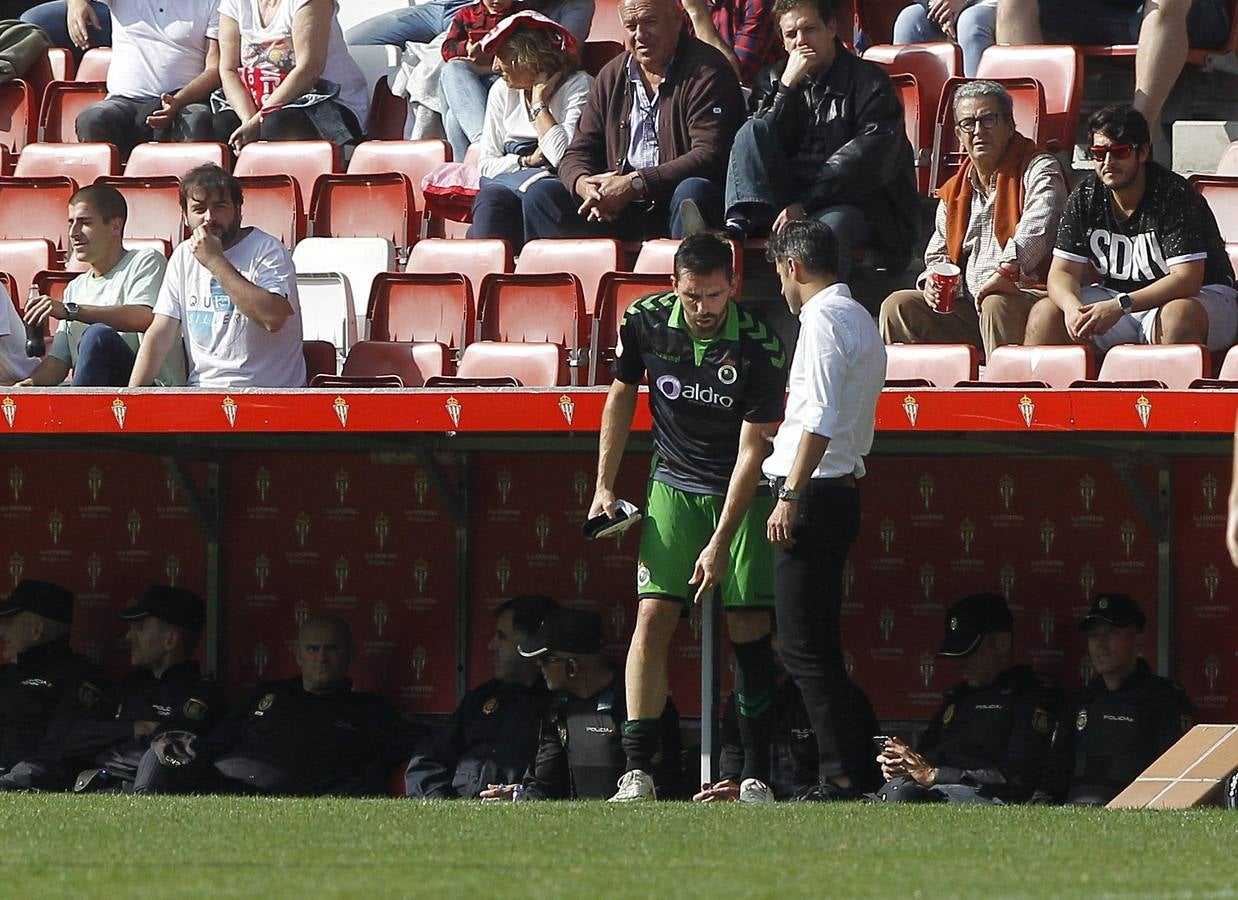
point(1059, 70)
point(62, 101)
point(81, 162)
point(1227, 377)
point(617, 292)
point(303, 160)
point(36, 208)
point(19, 111)
point(1229, 160)
point(535, 309)
point(1221, 192)
point(157, 159)
point(931, 365)
point(586, 258)
point(474, 258)
point(94, 64)
point(56, 65)
point(25, 259)
point(273, 203)
point(414, 159)
point(387, 113)
point(422, 309)
point(606, 25)
point(154, 207)
point(1051, 366)
point(1028, 97)
point(595, 54)
point(495, 363)
point(388, 364)
point(160, 246)
point(931, 65)
point(657, 257)
point(319, 358)
point(1173, 366)
point(378, 205)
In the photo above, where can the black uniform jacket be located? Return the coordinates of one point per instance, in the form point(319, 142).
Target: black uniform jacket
point(491, 738)
point(41, 695)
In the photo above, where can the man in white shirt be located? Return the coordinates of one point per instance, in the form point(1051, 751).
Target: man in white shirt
point(836, 378)
point(106, 309)
point(231, 292)
point(165, 64)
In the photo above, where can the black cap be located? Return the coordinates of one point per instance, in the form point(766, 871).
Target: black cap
point(1116, 609)
point(173, 605)
point(969, 620)
point(51, 601)
point(566, 631)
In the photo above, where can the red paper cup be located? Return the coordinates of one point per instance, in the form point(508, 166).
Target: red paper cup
point(946, 276)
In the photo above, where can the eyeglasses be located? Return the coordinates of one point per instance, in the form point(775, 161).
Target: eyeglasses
point(985, 121)
point(1119, 151)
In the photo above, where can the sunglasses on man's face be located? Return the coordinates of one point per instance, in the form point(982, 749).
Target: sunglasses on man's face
point(1119, 151)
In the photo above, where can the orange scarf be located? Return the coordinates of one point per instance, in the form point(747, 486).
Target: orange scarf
point(1007, 207)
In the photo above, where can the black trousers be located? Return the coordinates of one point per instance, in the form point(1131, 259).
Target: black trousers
point(808, 589)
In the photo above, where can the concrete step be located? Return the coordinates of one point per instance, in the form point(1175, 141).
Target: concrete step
point(1199, 144)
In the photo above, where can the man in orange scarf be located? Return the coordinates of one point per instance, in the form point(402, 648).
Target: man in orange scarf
point(996, 221)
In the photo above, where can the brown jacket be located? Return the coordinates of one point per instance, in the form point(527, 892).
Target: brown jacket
point(701, 109)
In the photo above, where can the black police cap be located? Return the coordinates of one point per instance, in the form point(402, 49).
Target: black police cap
point(51, 601)
point(566, 631)
point(969, 620)
point(1116, 609)
point(173, 605)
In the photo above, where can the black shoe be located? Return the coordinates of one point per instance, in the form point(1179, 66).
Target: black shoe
point(827, 792)
point(737, 229)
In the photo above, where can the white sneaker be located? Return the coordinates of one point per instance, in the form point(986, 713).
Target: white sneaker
point(635, 787)
point(754, 790)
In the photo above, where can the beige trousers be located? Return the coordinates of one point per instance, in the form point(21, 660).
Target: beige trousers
point(906, 319)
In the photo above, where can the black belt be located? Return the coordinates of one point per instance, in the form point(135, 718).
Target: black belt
point(814, 484)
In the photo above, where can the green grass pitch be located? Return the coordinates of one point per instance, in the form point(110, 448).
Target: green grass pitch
point(118, 846)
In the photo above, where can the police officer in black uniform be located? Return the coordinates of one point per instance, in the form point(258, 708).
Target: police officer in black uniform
point(165, 691)
point(1121, 721)
point(47, 685)
point(990, 740)
point(579, 754)
point(492, 736)
point(309, 736)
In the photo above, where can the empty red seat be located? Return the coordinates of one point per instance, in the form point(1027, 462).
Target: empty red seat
point(24, 260)
point(1229, 160)
point(158, 159)
point(586, 258)
point(378, 205)
point(388, 364)
point(62, 101)
point(387, 113)
point(414, 159)
point(81, 162)
point(273, 204)
point(154, 207)
point(474, 258)
point(931, 365)
point(1172, 366)
point(1221, 192)
point(19, 112)
point(535, 309)
point(1052, 366)
point(36, 208)
point(1059, 70)
point(304, 161)
point(319, 359)
point(618, 291)
point(1227, 377)
point(56, 65)
point(94, 64)
point(422, 309)
point(657, 257)
point(490, 363)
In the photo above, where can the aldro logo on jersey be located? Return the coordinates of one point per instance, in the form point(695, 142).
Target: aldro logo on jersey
point(672, 388)
point(1123, 258)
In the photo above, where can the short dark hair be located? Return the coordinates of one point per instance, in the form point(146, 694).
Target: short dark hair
point(212, 180)
point(824, 7)
point(528, 611)
point(704, 253)
point(1122, 124)
point(108, 202)
point(809, 241)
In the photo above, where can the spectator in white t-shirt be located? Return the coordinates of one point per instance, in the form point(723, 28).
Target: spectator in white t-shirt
point(286, 74)
point(106, 309)
point(230, 293)
point(15, 365)
point(165, 64)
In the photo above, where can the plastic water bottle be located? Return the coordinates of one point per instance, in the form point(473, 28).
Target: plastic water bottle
point(36, 344)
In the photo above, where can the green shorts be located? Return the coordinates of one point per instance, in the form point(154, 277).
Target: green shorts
point(678, 525)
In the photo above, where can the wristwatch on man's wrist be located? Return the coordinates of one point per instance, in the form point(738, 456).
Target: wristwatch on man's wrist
point(1125, 301)
point(637, 181)
point(70, 311)
point(788, 494)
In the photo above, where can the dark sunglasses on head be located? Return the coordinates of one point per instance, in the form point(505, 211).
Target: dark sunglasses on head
point(1119, 151)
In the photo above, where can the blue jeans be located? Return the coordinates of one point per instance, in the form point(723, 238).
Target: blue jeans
point(976, 29)
point(463, 90)
point(419, 24)
point(103, 358)
point(1071, 22)
point(550, 212)
point(54, 19)
point(498, 213)
point(759, 186)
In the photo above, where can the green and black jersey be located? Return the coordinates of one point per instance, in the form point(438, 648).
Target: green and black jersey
point(700, 392)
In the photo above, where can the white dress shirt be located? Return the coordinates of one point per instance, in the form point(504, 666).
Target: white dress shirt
point(836, 378)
